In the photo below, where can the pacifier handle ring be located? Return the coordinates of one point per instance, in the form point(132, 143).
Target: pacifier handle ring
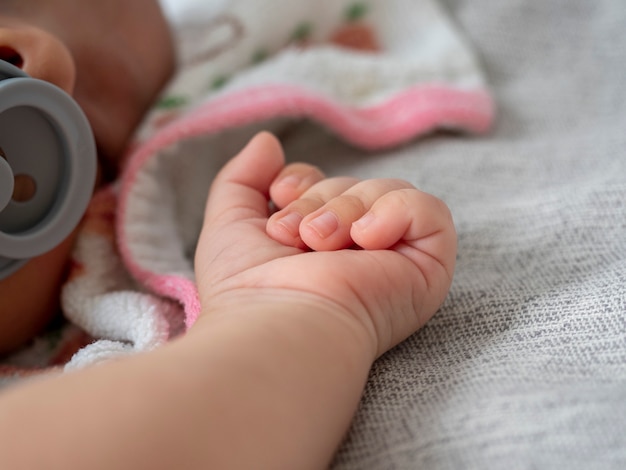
point(7, 183)
point(73, 141)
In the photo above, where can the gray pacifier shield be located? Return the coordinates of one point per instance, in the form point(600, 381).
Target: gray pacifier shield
point(46, 144)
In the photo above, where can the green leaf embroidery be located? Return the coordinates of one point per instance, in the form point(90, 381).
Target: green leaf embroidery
point(302, 32)
point(259, 56)
point(172, 102)
point(219, 82)
point(356, 11)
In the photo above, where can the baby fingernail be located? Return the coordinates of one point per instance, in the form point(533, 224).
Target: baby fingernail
point(325, 224)
point(290, 180)
point(364, 221)
point(291, 223)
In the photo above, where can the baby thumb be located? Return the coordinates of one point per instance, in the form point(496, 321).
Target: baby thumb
point(241, 189)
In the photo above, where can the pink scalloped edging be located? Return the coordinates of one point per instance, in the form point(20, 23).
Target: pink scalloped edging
point(406, 115)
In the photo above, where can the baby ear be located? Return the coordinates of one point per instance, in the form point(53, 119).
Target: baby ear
point(38, 53)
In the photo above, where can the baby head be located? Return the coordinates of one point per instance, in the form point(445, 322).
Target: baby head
point(113, 57)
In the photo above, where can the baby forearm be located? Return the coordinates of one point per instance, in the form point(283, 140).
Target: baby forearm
point(295, 377)
point(260, 387)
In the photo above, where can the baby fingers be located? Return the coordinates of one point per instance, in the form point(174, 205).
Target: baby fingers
point(329, 227)
point(322, 218)
point(285, 225)
point(414, 223)
point(292, 182)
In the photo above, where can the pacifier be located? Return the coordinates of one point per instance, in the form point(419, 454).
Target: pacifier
point(47, 167)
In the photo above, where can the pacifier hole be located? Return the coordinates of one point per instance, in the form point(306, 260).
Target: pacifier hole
point(10, 55)
point(24, 188)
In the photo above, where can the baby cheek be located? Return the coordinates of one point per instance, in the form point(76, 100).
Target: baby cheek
point(29, 299)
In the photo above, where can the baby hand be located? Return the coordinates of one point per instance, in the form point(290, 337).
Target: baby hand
point(378, 251)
